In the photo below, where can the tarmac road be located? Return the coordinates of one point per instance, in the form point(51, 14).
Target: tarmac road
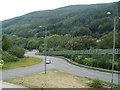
point(58, 64)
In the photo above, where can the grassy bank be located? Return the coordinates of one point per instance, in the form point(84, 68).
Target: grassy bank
point(53, 79)
point(26, 61)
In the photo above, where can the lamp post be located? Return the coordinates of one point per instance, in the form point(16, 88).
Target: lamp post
point(114, 37)
point(72, 46)
point(45, 46)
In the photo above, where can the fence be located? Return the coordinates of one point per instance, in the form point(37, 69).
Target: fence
point(91, 51)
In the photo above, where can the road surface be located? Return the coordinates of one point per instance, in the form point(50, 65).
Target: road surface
point(57, 64)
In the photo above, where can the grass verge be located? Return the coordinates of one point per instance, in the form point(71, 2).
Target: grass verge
point(106, 83)
point(24, 62)
point(52, 79)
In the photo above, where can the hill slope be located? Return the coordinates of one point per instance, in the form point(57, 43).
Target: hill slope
point(60, 21)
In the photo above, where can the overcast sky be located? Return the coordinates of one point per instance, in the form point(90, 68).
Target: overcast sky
point(13, 8)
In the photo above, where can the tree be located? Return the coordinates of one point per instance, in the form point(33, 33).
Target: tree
point(11, 48)
point(33, 43)
point(6, 43)
point(57, 42)
point(81, 43)
point(81, 31)
point(17, 51)
point(106, 41)
point(102, 25)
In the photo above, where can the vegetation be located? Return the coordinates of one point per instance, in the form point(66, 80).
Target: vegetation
point(11, 52)
point(99, 61)
point(7, 57)
point(96, 84)
point(104, 83)
point(23, 62)
point(77, 27)
point(77, 20)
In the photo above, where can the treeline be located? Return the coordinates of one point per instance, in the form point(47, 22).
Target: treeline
point(61, 42)
point(67, 42)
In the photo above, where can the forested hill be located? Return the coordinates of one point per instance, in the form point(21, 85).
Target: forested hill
point(77, 20)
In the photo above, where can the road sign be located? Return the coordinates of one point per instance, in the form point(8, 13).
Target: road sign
point(1, 62)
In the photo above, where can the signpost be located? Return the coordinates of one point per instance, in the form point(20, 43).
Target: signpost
point(1, 62)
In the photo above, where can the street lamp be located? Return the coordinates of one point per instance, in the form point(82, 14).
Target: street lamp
point(45, 46)
point(113, 58)
point(108, 13)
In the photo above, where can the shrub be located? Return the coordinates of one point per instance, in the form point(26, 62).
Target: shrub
point(7, 57)
point(41, 49)
point(79, 59)
point(17, 51)
point(88, 61)
point(117, 66)
point(96, 84)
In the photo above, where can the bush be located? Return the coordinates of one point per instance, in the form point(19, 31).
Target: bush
point(41, 49)
point(79, 59)
point(88, 61)
point(96, 84)
point(17, 51)
point(102, 61)
point(117, 66)
point(7, 57)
